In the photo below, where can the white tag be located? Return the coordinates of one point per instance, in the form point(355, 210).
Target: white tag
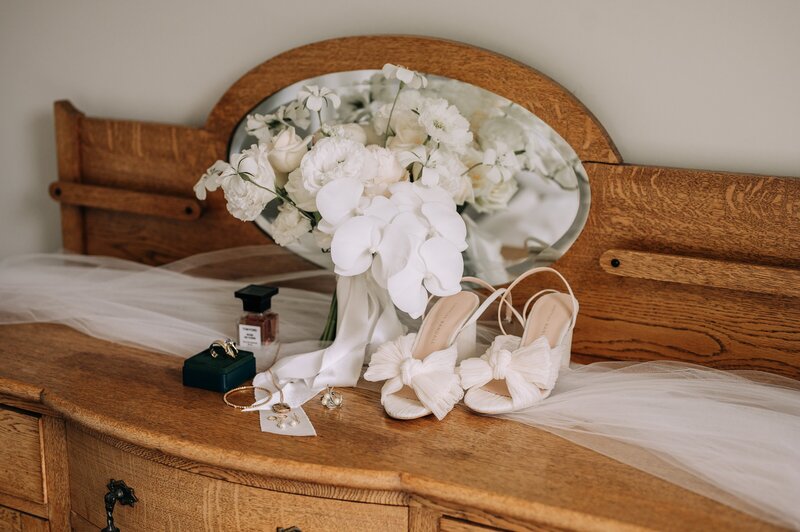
point(294, 423)
point(302, 426)
point(249, 336)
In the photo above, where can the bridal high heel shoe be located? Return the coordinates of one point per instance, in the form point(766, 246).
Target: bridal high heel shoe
point(420, 369)
point(517, 372)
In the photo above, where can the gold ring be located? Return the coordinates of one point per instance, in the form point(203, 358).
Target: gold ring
point(242, 388)
point(226, 345)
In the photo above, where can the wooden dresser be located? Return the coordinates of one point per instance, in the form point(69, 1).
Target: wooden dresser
point(77, 412)
point(652, 270)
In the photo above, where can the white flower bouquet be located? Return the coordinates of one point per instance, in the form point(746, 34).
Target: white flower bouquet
point(382, 182)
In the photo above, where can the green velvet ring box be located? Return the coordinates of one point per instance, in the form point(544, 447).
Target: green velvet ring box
point(218, 374)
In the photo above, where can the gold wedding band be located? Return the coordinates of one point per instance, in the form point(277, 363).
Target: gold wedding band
point(227, 346)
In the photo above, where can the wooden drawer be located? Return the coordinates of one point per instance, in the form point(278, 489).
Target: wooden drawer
point(20, 455)
point(13, 521)
point(175, 499)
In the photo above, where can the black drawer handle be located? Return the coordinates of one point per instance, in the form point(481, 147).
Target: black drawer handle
point(290, 529)
point(118, 491)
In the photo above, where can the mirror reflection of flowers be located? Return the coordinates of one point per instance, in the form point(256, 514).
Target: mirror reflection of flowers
point(378, 174)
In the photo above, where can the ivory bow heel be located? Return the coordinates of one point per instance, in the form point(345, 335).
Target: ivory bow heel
point(517, 372)
point(420, 368)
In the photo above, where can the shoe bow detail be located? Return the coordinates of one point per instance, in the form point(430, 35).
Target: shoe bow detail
point(433, 378)
point(530, 372)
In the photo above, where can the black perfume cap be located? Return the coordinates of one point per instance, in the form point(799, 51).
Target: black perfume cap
point(256, 297)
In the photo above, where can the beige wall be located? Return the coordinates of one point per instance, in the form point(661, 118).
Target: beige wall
point(706, 84)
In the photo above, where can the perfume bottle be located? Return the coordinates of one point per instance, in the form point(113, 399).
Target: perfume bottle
point(259, 325)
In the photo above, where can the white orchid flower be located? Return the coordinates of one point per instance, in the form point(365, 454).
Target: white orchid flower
point(413, 79)
point(342, 199)
point(354, 244)
point(434, 267)
point(356, 223)
point(338, 201)
point(315, 97)
point(400, 238)
point(446, 223)
point(410, 196)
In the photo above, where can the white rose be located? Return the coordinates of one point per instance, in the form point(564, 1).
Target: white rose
point(490, 197)
point(346, 131)
point(504, 131)
point(289, 225)
point(387, 171)
point(288, 149)
point(298, 193)
point(333, 158)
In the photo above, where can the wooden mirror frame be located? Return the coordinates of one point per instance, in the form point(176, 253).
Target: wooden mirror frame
point(689, 265)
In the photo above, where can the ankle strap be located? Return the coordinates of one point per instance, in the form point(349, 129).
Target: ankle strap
point(537, 295)
point(495, 293)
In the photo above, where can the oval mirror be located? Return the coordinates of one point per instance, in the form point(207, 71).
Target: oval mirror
point(524, 209)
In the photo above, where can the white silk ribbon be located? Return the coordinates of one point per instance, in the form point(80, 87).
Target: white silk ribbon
point(366, 317)
point(530, 372)
point(432, 378)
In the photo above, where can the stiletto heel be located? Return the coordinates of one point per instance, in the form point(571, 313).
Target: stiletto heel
point(517, 372)
point(420, 368)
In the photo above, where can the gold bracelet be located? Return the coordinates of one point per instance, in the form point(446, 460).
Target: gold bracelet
point(242, 388)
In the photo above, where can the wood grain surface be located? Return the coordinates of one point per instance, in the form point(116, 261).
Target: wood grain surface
point(485, 466)
point(68, 145)
point(752, 220)
point(170, 498)
point(14, 521)
point(20, 455)
point(702, 272)
point(56, 476)
point(116, 199)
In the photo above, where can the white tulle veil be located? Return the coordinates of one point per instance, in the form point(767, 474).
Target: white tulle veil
point(730, 436)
